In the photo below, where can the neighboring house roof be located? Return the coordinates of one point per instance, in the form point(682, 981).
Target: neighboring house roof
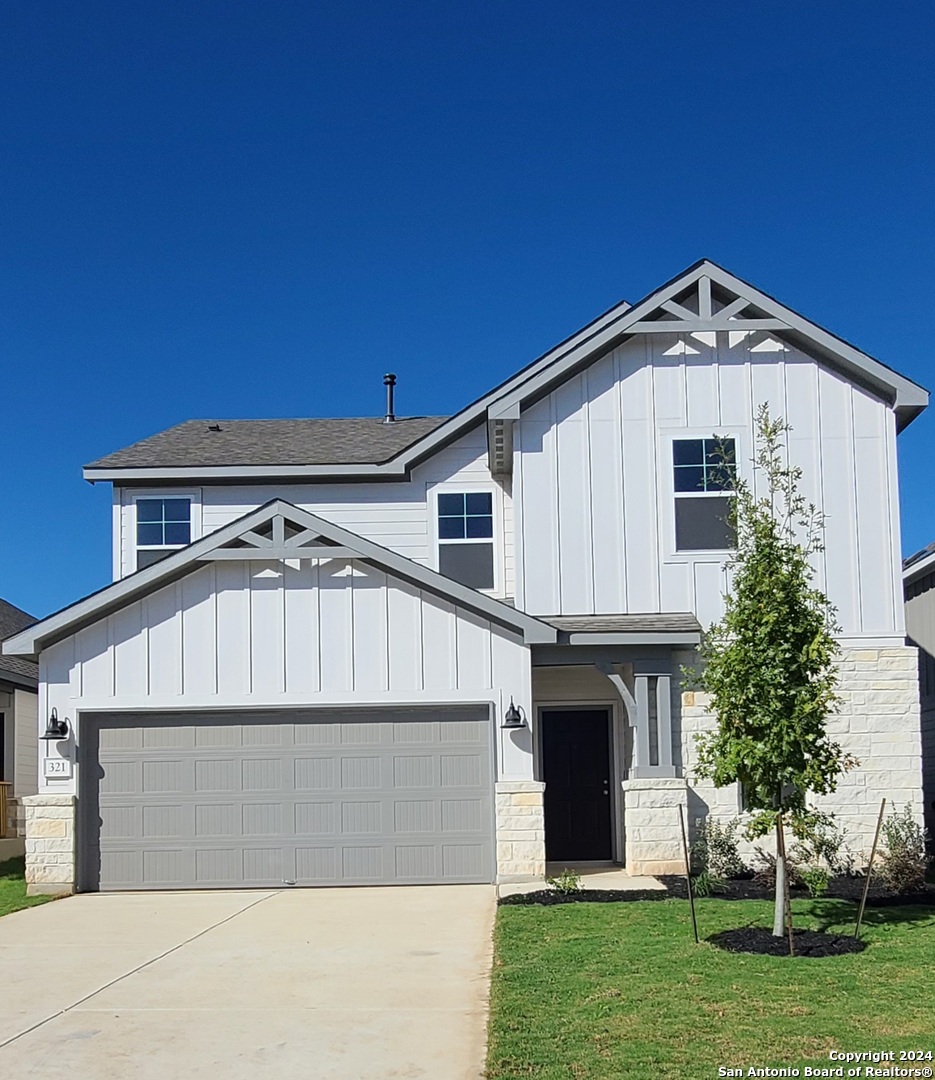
point(16, 669)
point(919, 564)
point(260, 534)
point(907, 398)
point(218, 443)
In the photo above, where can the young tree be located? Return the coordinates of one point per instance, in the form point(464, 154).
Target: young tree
point(769, 664)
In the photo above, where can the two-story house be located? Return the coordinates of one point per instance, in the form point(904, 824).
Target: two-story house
point(447, 649)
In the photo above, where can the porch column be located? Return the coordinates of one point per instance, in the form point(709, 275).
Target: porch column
point(649, 714)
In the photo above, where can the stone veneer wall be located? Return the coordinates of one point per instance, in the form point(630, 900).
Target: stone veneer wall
point(878, 723)
point(50, 844)
point(520, 830)
point(653, 833)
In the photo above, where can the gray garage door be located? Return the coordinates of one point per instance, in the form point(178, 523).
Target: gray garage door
point(311, 798)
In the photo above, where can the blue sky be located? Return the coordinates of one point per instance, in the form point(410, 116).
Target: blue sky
point(257, 208)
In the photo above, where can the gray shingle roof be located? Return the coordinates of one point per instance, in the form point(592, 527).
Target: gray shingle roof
point(657, 623)
point(343, 441)
point(12, 620)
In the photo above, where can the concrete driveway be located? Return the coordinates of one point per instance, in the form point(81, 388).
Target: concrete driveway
point(322, 984)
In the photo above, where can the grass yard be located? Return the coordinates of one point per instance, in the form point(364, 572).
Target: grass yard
point(621, 990)
point(13, 888)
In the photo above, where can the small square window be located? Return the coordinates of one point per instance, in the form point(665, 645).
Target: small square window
point(162, 525)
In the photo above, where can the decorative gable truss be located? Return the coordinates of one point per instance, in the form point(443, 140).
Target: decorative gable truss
point(695, 307)
point(275, 531)
point(283, 539)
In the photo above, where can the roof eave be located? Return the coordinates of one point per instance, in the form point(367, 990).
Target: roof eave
point(31, 641)
point(674, 638)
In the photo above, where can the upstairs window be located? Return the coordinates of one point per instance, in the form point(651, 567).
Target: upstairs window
point(705, 473)
point(162, 526)
point(465, 538)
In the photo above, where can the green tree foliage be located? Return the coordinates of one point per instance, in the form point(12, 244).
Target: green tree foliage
point(769, 664)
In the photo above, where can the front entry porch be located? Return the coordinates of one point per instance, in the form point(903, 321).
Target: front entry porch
point(607, 744)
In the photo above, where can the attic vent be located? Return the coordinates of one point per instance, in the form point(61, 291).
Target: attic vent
point(214, 427)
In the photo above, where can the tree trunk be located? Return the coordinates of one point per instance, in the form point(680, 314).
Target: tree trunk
point(779, 912)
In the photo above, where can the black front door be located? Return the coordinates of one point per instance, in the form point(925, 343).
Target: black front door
point(576, 770)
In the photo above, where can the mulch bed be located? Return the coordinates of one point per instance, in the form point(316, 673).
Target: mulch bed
point(840, 888)
point(547, 897)
point(811, 943)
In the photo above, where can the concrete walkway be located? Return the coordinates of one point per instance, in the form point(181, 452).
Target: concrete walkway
point(592, 877)
point(318, 984)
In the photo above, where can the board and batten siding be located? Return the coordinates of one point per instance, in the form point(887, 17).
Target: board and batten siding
point(266, 635)
point(593, 498)
point(396, 515)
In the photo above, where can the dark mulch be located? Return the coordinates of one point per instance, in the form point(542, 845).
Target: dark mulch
point(587, 896)
point(757, 939)
point(839, 888)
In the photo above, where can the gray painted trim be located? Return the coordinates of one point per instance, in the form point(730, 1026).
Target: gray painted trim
point(34, 639)
point(900, 391)
point(19, 682)
point(675, 638)
point(607, 330)
point(918, 569)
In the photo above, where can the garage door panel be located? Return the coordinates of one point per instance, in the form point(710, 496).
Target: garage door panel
point(353, 797)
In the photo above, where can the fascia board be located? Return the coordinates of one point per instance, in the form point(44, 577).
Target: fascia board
point(18, 681)
point(918, 569)
point(578, 352)
point(585, 638)
point(388, 471)
point(120, 593)
point(904, 391)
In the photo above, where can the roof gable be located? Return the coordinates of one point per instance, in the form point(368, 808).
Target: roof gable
point(703, 298)
point(277, 530)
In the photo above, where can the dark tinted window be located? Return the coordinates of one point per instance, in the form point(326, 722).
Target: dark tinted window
point(701, 525)
point(471, 564)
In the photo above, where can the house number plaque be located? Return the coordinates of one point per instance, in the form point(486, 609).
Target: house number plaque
point(56, 768)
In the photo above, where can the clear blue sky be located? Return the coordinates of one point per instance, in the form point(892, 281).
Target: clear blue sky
point(246, 209)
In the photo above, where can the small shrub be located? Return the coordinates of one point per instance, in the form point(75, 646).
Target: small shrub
point(568, 882)
point(816, 880)
point(821, 843)
point(705, 883)
point(764, 873)
point(903, 861)
point(716, 850)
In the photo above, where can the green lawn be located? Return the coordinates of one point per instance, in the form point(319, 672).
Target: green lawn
point(621, 990)
point(13, 888)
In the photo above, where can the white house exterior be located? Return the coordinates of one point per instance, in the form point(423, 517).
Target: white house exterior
point(316, 629)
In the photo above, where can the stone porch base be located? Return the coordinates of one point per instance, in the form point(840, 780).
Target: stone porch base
point(50, 845)
point(651, 820)
point(520, 830)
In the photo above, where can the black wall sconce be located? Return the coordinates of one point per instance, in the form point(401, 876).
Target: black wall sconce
point(55, 729)
point(514, 717)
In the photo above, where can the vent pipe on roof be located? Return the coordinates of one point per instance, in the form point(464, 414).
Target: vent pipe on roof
point(389, 381)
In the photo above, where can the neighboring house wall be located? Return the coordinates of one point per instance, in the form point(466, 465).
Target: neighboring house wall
point(593, 479)
point(26, 771)
point(920, 626)
point(400, 516)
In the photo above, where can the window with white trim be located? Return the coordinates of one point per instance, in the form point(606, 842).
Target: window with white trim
point(704, 475)
point(162, 526)
point(465, 537)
